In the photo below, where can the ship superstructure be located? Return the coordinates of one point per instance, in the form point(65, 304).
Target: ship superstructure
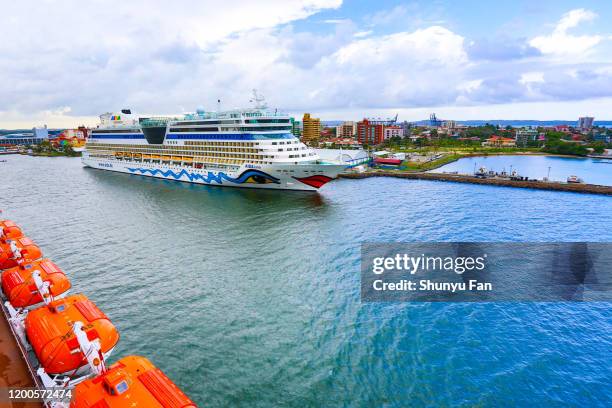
point(238, 148)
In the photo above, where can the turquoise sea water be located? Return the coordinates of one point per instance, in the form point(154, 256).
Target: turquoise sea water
point(593, 171)
point(250, 298)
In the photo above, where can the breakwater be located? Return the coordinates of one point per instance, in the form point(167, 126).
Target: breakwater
point(460, 178)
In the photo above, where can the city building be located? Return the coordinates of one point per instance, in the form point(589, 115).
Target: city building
point(346, 130)
point(311, 129)
point(601, 137)
point(73, 137)
point(449, 124)
point(393, 131)
point(328, 133)
point(341, 142)
point(40, 132)
point(585, 122)
point(296, 128)
point(370, 132)
point(499, 141)
point(407, 127)
point(37, 136)
point(524, 136)
point(562, 128)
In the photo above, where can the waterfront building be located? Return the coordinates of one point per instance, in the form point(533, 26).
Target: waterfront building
point(393, 131)
point(53, 133)
point(370, 132)
point(40, 132)
point(499, 141)
point(524, 136)
point(585, 122)
point(73, 137)
point(346, 130)
point(311, 129)
point(38, 135)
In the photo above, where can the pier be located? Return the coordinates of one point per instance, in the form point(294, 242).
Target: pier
point(461, 178)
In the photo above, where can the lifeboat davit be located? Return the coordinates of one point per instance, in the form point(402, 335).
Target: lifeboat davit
point(19, 284)
point(9, 230)
point(15, 251)
point(131, 382)
point(50, 332)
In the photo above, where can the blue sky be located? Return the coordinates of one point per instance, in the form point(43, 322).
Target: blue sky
point(64, 62)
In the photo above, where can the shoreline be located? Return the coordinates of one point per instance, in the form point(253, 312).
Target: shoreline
point(457, 178)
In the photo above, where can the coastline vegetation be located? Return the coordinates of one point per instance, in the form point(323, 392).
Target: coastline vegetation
point(48, 150)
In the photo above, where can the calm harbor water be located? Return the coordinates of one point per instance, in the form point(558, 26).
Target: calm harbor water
point(251, 298)
point(593, 171)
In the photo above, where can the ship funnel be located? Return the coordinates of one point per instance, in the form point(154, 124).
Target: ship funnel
point(126, 111)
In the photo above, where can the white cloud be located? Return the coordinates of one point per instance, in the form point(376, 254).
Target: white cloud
point(561, 43)
point(531, 77)
point(361, 34)
point(406, 67)
point(469, 86)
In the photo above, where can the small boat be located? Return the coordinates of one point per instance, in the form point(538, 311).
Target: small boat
point(52, 333)
point(481, 173)
point(9, 230)
point(575, 180)
point(387, 161)
point(27, 284)
point(16, 251)
point(133, 381)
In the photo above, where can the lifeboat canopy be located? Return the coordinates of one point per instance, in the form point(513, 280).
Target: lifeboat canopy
point(15, 251)
point(9, 230)
point(22, 288)
point(132, 381)
point(50, 330)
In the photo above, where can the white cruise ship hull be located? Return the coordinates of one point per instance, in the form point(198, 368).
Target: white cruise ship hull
point(302, 177)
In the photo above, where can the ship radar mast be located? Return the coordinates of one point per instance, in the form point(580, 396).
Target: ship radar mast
point(258, 100)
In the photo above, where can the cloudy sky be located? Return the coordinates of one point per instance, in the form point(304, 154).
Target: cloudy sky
point(64, 62)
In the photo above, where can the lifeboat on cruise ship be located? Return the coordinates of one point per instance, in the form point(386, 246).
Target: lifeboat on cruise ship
point(16, 251)
point(26, 284)
point(131, 382)
point(9, 230)
point(52, 332)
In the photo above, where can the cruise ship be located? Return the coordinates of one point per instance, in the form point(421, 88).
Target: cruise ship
point(252, 148)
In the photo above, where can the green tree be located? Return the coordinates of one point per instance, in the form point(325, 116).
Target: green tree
point(598, 147)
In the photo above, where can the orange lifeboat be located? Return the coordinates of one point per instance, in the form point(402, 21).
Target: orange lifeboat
point(9, 230)
point(50, 332)
point(27, 248)
point(20, 288)
point(131, 382)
